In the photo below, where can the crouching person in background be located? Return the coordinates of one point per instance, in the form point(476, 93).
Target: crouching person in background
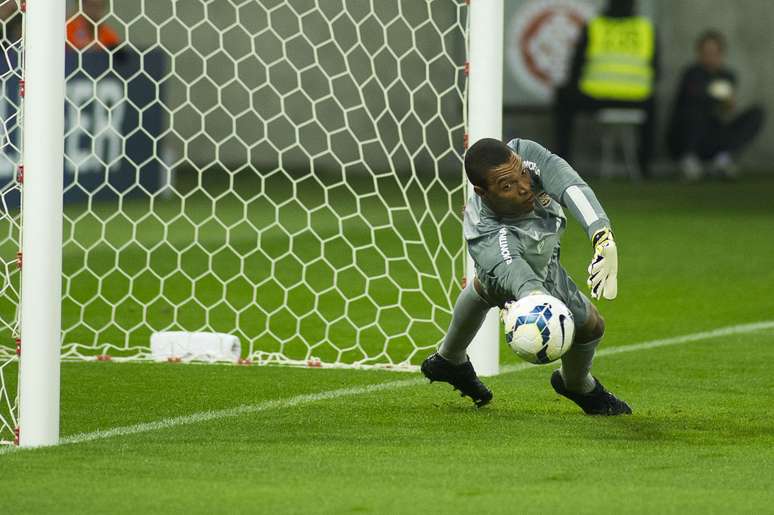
point(706, 132)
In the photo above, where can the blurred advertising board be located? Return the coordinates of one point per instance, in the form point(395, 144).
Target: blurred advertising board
point(113, 121)
point(540, 37)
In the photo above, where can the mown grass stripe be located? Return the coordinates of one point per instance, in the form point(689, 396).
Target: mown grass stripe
point(299, 400)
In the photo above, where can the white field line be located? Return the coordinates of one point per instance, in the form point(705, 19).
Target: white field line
point(300, 400)
point(674, 340)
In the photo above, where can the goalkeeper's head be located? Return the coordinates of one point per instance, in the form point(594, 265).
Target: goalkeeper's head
point(499, 178)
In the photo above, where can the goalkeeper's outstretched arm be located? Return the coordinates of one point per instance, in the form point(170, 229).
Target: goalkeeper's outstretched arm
point(560, 181)
point(580, 199)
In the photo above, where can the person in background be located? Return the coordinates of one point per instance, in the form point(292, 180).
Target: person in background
point(87, 27)
point(615, 64)
point(704, 125)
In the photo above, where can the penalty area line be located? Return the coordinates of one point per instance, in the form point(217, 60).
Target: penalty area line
point(206, 416)
point(665, 342)
point(309, 398)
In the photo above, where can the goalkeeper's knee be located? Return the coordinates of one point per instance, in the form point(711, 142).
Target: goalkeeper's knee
point(593, 329)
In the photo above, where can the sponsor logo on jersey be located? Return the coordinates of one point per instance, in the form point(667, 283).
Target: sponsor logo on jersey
point(544, 199)
point(540, 246)
point(531, 166)
point(502, 240)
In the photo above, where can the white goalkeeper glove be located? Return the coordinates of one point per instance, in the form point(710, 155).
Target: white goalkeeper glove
point(603, 270)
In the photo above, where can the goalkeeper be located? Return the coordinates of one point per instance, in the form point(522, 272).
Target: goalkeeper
point(512, 226)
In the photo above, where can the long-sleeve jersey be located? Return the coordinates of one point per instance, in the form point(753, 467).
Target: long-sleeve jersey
point(513, 253)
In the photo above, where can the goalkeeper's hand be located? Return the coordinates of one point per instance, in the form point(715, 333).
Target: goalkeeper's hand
point(603, 270)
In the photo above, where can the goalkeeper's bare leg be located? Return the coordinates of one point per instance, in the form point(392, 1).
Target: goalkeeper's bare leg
point(450, 364)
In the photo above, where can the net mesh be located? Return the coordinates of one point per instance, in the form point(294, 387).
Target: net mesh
point(10, 150)
point(285, 171)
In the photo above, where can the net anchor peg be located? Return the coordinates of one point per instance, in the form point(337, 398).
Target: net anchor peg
point(16, 432)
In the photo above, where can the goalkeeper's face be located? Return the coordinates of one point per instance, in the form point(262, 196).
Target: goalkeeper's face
point(508, 188)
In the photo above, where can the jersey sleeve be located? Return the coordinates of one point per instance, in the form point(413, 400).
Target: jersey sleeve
point(584, 206)
point(502, 268)
point(562, 183)
point(517, 279)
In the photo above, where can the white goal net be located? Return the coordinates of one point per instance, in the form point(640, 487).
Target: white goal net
point(288, 172)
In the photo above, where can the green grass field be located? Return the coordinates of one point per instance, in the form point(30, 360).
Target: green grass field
point(692, 259)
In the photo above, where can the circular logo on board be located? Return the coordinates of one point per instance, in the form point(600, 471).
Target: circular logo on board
point(540, 39)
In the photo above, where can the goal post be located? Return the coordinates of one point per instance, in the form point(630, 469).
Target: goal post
point(41, 256)
point(289, 172)
point(485, 120)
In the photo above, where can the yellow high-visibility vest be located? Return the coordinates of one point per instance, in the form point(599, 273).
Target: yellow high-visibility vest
point(618, 59)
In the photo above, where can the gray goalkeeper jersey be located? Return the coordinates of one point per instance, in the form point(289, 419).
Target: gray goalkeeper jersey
point(514, 254)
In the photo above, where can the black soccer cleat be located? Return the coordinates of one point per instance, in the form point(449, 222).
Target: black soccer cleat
point(462, 377)
point(597, 402)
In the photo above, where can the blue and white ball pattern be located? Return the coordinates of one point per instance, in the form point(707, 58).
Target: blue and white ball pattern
point(538, 328)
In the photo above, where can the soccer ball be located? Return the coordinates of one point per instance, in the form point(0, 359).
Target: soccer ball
point(539, 328)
